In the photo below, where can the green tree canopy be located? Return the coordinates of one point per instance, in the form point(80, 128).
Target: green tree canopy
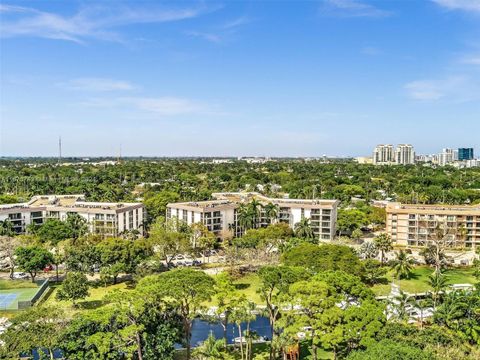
point(323, 257)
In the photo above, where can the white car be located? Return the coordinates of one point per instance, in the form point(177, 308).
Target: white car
point(20, 276)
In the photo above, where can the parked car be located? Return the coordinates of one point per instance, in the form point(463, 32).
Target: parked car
point(20, 276)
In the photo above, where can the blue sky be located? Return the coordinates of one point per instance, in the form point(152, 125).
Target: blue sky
point(236, 78)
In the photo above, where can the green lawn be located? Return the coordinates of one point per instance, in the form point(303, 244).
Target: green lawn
point(246, 285)
point(16, 284)
point(419, 281)
point(250, 283)
point(93, 301)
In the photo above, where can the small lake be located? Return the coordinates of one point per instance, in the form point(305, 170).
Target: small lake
point(201, 329)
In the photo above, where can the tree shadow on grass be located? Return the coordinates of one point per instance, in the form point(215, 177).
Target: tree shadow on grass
point(242, 286)
point(91, 304)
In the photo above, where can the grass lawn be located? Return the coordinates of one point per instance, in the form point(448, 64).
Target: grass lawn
point(246, 285)
point(93, 301)
point(419, 281)
point(16, 284)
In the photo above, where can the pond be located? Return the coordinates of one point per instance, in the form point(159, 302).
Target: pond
point(201, 329)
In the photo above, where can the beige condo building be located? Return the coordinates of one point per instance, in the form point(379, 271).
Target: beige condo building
point(415, 225)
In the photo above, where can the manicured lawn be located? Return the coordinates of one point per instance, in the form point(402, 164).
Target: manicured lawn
point(419, 281)
point(16, 284)
point(93, 301)
point(246, 285)
point(249, 285)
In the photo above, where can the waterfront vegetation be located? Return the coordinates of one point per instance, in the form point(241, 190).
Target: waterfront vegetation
point(321, 297)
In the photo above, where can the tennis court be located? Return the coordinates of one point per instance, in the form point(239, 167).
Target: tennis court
point(9, 298)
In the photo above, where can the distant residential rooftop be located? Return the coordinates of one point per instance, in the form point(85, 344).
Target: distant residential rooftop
point(204, 205)
point(76, 201)
point(248, 196)
point(230, 200)
point(434, 207)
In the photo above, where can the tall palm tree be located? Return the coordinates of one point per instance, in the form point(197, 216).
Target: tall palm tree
point(383, 242)
point(402, 265)
point(255, 207)
point(245, 217)
point(271, 211)
point(399, 306)
point(438, 282)
point(303, 229)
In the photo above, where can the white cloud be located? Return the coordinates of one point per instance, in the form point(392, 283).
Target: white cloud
point(89, 22)
point(465, 5)
point(352, 8)
point(211, 37)
point(164, 106)
point(220, 33)
point(168, 106)
point(471, 60)
point(242, 20)
point(98, 84)
point(453, 88)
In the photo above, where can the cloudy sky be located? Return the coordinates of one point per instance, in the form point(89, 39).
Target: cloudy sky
point(273, 78)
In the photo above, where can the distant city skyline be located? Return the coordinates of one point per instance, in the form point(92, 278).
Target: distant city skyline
point(204, 78)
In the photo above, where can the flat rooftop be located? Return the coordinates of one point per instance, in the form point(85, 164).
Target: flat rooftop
point(64, 202)
point(433, 208)
point(207, 205)
point(240, 197)
point(227, 200)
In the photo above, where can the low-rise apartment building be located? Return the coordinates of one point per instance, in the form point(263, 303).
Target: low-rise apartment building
point(106, 219)
point(222, 214)
point(415, 225)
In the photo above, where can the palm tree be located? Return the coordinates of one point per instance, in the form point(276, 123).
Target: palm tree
point(271, 211)
point(383, 242)
point(303, 229)
point(402, 265)
point(399, 305)
point(452, 308)
point(438, 282)
point(256, 209)
point(245, 218)
point(211, 349)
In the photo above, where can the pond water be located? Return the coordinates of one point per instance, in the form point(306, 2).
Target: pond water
point(201, 329)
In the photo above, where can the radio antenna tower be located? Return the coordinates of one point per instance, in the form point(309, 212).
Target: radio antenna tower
point(59, 149)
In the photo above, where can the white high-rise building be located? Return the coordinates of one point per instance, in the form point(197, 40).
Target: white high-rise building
point(383, 155)
point(447, 156)
point(405, 154)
